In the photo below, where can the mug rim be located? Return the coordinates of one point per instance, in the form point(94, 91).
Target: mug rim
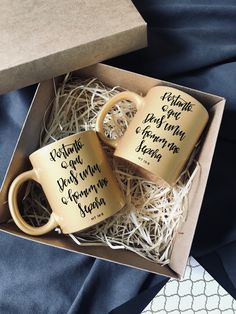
point(60, 141)
point(189, 95)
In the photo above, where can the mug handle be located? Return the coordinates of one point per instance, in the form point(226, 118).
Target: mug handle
point(131, 96)
point(14, 209)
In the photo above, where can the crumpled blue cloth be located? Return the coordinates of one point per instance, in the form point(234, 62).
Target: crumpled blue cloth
point(193, 43)
point(40, 279)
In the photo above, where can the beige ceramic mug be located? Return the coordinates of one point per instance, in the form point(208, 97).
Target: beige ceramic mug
point(77, 180)
point(162, 134)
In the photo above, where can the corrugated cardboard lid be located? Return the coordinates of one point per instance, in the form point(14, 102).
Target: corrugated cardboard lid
point(40, 39)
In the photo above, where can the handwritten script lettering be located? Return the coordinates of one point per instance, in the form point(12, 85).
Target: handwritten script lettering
point(66, 150)
point(163, 130)
point(177, 101)
point(86, 199)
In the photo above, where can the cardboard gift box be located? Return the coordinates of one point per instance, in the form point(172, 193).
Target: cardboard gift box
point(42, 39)
point(29, 137)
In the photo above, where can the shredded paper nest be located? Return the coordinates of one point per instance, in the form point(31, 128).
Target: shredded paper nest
point(148, 224)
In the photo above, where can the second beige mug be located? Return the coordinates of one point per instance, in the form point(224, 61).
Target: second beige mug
point(162, 134)
point(77, 180)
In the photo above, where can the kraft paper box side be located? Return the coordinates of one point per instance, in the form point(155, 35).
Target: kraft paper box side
point(185, 235)
point(122, 257)
point(42, 39)
point(113, 76)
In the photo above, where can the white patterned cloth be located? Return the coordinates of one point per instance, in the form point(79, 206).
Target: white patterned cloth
point(197, 293)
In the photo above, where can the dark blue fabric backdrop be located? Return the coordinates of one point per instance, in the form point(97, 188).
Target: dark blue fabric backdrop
point(192, 43)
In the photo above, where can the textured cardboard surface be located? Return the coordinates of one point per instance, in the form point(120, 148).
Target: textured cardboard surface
point(139, 83)
point(41, 39)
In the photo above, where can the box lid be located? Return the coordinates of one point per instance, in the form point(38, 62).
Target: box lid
point(41, 39)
